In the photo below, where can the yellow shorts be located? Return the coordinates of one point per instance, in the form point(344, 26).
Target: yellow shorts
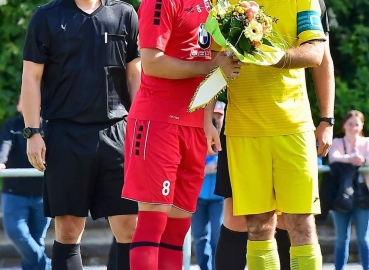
point(274, 173)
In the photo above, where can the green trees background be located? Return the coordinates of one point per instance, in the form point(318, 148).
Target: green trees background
point(349, 21)
point(349, 42)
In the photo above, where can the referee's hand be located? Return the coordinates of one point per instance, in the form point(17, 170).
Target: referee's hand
point(36, 151)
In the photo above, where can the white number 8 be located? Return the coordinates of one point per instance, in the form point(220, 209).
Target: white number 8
point(166, 188)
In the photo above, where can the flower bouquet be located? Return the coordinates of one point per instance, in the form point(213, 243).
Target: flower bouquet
point(244, 30)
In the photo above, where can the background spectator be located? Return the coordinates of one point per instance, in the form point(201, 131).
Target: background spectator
point(353, 148)
point(22, 204)
point(208, 218)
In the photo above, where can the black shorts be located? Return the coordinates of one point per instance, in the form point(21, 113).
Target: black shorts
point(223, 184)
point(84, 170)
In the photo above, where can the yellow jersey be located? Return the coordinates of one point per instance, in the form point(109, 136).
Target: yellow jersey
point(268, 101)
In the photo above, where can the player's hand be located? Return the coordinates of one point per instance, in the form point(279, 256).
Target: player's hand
point(2, 166)
point(36, 151)
point(324, 137)
point(230, 65)
point(212, 138)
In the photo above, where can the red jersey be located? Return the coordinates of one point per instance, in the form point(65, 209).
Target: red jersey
point(175, 27)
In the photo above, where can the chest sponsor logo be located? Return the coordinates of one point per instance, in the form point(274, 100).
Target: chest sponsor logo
point(203, 37)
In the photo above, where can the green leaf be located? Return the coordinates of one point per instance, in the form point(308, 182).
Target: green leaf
point(267, 42)
point(245, 44)
point(235, 32)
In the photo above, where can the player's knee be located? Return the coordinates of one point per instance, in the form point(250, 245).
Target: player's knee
point(262, 226)
point(123, 227)
point(235, 223)
point(154, 207)
point(301, 228)
point(69, 229)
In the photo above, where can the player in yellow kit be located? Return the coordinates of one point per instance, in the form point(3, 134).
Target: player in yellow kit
point(271, 143)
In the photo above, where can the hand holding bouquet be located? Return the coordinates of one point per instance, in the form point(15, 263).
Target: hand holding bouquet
point(246, 31)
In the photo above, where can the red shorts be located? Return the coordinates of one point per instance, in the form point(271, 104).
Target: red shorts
point(164, 163)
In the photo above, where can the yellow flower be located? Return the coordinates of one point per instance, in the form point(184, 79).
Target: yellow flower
point(254, 31)
point(236, 13)
point(240, 10)
point(222, 12)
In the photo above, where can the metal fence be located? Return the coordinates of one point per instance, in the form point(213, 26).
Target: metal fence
point(36, 173)
point(187, 242)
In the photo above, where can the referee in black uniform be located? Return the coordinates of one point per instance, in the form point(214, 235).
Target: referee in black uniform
point(81, 67)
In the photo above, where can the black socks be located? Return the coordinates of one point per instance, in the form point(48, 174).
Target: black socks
point(284, 244)
point(123, 256)
point(66, 257)
point(231, 250)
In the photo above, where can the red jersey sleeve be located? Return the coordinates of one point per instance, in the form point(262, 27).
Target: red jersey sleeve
point(156, 19)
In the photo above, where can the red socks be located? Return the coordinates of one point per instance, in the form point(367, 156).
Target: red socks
point(144, 252)
point(158, 242)
point(171, 244)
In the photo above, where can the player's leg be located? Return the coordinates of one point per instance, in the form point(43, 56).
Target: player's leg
point(190, 176)
point(283, 243)
point(231, 246)
point(152, 157)
point(67, 187)
point(250, 168)
point(106, 199)
point(295, 169)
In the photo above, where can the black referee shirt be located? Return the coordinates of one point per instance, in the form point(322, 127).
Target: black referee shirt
point(85, 58)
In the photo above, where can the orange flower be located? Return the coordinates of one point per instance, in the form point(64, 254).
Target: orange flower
point(256, 44)
point(251, 9)
point(245, 4)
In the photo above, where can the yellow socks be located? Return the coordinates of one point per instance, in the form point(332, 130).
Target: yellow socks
point(308, 257)
point(262, 255)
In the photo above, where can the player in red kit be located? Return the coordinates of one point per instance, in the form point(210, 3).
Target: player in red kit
point(166, 145)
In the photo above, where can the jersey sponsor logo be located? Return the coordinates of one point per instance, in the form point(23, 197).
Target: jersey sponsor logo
point(201, 53)
point(207, 5)
point(203, 39)
point(157, 12)
point(174, 117)
point(308, 21)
